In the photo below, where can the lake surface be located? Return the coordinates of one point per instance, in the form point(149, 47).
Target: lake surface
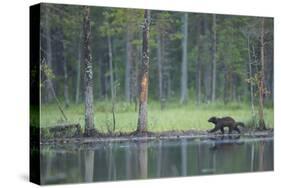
point(154, 159)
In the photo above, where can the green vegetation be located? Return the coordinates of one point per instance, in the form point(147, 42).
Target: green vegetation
point(173, 117)
point(205, 62)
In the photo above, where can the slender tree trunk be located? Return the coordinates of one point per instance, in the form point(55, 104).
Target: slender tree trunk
point(261, 80)
point(53, 93)
point(134, 75)
point(250, 75)
point(78, 70)
point(198, 77)
point(214, 54)
point(169, 85)
point(88, 72)
point(225, 83)
point(65, 76)
point(49, 83)
point(160, 70)
point(112, 88)
point(143, 81)
point(184, 73)
point(128, 65)
point(199, 59)
point(102, 77)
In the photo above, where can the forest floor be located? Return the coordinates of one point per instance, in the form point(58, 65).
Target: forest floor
point(173, 118)
point(174, 121)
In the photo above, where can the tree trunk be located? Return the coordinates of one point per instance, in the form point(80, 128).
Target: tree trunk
point(78, 70)
point(102, 77)
point(143, 81)
point(184, 73)
point(261, 79)
point(134, 76)
point(160, 71)
point(250, 75)
point(65, 75)
point(199, 59)
point(198, 76)
point(207, 81)
point(214, 54)
point(88, 72)
point(128, 65)
point(112, 87)
point(49, 83)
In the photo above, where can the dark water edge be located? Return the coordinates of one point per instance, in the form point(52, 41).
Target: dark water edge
point(126, 160)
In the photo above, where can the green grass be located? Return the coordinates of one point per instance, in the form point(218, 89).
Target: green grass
point(173, 117)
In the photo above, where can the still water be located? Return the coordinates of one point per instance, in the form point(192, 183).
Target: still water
point(152, 159)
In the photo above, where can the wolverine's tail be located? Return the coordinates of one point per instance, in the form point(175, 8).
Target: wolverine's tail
point(240, 124)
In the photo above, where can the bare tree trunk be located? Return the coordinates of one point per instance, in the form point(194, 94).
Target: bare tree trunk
point(49, 84)
point(102, 77)
point(199, 59)
point(65, 76)
point(207, 81)
point(261, 80)
point(112, 87)
point(184, 73)
point(134, 76)
point(198, 77)
point(78, 70)
point(214, 55)
point(88, 72)
point(250, 75)
point(128, 65)
point(160, 70)
point(225, 83)
point(143, 81)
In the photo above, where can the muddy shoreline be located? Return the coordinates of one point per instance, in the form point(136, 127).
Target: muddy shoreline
point(97, 137)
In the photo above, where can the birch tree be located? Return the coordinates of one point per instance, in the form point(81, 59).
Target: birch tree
point(88, 72)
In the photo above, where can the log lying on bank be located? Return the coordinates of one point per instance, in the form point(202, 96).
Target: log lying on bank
point(61, 131)
point(65, 127)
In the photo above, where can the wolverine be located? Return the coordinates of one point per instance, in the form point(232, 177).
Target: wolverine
point(229, 122)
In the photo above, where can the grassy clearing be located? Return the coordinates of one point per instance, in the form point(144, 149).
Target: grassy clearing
point(173, 117)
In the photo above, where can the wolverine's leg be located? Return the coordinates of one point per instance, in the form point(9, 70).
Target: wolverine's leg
point(222, 130)
point(230, 130)
point(237, 129)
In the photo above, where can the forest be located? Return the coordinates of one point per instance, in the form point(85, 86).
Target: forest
point(124, 70)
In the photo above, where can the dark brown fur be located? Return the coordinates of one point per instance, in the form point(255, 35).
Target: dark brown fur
point(220, 123)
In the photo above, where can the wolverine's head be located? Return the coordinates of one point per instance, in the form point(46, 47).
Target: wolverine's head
point(213, 120)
